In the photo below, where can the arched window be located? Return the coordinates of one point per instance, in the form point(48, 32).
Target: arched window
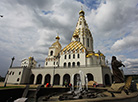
point(51, 53)
point(78, 55)
point(87, 42)
point(64, 64)
point(19, 73)
point(18, 79)
point(73, 64)
point(83, 41)
point(69, 64)
point(80, 22)
point(12, 73)
point(73, 56)
point(65, 56)
point(69, 56)
point(78, 64)
point(46, 63)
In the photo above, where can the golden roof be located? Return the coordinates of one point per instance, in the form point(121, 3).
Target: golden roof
point(75, 35)
point(95, 54)
point(56, 44)
point(74, 46)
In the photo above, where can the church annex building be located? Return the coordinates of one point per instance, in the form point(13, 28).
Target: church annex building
point(65, 64)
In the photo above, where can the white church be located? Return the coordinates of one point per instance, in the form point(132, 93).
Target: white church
point(65, 64)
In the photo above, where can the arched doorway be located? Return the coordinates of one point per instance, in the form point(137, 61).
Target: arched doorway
point(78, 64)
point(107, 80)
point(47, 78)
point(67, 78)
point(39, 79)
point(31, 79)
point(76, 77)
point(90, 77)
point(56, 79)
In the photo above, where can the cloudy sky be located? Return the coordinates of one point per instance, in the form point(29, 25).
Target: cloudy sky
point(28, 28)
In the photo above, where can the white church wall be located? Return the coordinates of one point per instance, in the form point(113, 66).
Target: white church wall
point(81, 59)
point(14, 75)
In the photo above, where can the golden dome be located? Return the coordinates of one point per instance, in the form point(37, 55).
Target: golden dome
point(81, 13)
point(101, 54)
point(96, 54)
point(57, 37)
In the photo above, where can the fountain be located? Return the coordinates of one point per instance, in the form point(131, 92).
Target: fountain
point(81, 90)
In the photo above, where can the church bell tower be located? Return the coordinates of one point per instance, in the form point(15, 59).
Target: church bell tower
point(83, 33)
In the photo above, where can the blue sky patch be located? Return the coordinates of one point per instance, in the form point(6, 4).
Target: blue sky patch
point(46, 12)
point(91, 4)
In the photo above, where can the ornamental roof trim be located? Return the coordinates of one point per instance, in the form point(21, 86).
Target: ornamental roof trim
point(73, 46)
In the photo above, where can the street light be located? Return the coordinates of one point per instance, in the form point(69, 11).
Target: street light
point(1, 15)
point(12, 62)
point(53, 75)
point(7, 75)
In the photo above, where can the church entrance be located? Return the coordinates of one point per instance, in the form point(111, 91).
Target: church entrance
point(76, 78)
point(31, 79)
point(47, 79)
point(90, 77)
point(107, 80)
point(56, 79)
point(39, 79)
point(66, 77)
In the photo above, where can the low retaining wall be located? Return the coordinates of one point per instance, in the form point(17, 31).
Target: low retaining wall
point(9, 95)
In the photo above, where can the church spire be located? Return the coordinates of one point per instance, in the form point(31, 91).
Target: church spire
point(82, 32)
point(82, 13)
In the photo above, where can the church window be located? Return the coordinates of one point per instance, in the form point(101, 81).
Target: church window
point(87, 42)
point(69, 64)
point(78, 64)
point(69, 56)
point(19, 73)
point(51, 53)
point(73, 56)
point(18, 79)
point(78, 55)
point(73, 64)
point(65, 56)
point(80, 22)
point(46, 63)
point(12, 73)
point(83, 41)
point(79, 39)
point(64, 64)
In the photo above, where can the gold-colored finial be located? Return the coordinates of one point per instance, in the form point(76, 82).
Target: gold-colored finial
point(81, 7)
point(81, 13)
point(57, 37)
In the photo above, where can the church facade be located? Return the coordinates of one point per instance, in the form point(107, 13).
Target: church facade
point(65, 64)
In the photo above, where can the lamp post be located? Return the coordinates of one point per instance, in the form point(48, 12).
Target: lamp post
point(1, 15)
point(12, 62)
point(53, 75)
point(7, 75)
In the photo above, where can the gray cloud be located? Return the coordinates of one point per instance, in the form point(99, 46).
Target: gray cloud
point(27, 31)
